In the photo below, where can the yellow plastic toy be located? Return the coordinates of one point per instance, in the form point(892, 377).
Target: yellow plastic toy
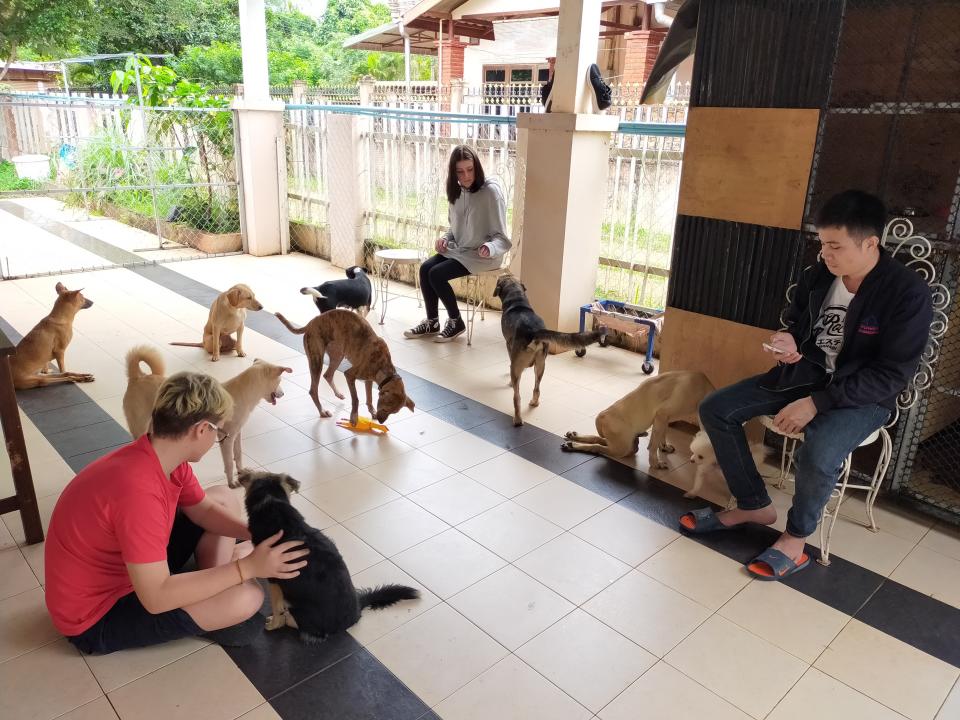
point(364, 424)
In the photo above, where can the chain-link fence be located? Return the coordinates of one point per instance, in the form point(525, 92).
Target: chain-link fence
point(168, 171)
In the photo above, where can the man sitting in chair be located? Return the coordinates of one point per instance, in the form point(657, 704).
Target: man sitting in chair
point(857, 325)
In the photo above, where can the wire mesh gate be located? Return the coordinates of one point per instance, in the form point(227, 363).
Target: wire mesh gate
point(168, 174)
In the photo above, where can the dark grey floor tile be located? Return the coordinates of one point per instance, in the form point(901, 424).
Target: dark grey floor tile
point(429, 397)
point(607, 478)
point(917, 619)
point(278, 660)
point(502, 433)
point(545, 451)
point(69, 417)
point(79, 462)
point(87, 439)
point(357, 688)
point(52, 397)
point(465, 413)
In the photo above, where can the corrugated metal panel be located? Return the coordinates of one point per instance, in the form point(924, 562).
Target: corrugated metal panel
point(765, 53)
point(735, 271)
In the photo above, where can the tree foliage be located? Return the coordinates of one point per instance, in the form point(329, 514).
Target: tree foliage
point(44, 26)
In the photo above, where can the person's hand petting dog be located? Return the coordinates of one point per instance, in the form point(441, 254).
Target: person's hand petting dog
point(440, 245)
point(783, 346)
point(483, 251)
point(795, 416)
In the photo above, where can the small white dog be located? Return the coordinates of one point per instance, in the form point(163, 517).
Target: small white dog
point(702, 455)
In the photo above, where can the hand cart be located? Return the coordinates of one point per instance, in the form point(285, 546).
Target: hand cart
point(610, 314)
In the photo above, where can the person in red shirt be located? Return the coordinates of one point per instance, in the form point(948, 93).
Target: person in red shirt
point(127, 524)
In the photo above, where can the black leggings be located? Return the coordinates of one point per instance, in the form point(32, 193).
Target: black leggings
point(435, 276)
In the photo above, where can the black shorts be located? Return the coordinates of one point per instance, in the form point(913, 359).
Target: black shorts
point(128, 624)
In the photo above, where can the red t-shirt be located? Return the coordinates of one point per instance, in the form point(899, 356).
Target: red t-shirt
point(117, 510)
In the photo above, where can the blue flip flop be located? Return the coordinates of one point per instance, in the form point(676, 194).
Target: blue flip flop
point(704, 520)
point(778, 565)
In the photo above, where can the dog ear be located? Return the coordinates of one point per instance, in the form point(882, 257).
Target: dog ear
point(284, 369)
point(233, 296)
point(290, 485)
point(246, 479)
point(61, 288)
point(496, 290)
point(523, 286)
point(408, 403)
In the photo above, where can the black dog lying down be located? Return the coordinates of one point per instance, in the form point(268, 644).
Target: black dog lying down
point(355, 292)
point(322, 598)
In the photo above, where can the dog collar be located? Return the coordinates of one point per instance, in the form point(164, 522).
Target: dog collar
point(387, 379)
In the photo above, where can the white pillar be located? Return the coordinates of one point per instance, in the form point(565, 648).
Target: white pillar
point(253, 48)
point(578, 32)
point(348, 190)
point(565, 189)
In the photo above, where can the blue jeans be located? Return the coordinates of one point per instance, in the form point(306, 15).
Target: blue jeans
point(828, 439)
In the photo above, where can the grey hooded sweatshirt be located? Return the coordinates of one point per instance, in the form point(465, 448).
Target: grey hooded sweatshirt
point(478, 218)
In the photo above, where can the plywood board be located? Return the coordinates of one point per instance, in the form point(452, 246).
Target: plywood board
point(748, 165)
point(724, 351)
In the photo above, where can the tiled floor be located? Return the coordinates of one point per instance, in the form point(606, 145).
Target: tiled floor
point(553, 585)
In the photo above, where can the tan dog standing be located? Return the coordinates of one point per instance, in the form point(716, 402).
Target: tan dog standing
point(344, 334)
point(227, 316)
point(654, 404)
point(48, 341)
point(260, 381)
point(142, 388)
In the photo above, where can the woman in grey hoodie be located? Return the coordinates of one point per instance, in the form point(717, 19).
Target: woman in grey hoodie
point(475, 243)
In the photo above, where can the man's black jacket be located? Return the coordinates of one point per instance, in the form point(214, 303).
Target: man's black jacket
point(886, 329)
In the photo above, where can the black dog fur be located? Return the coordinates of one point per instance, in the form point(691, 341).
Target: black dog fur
point(355, 292)
point(322, 598)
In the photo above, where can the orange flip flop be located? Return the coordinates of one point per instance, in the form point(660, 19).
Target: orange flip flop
point(772, 564)
point(703, 520)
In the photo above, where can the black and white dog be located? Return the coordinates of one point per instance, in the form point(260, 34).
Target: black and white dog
point(322, 599)
point(355, 292)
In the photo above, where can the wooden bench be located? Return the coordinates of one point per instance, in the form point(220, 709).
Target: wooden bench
point(25, 499)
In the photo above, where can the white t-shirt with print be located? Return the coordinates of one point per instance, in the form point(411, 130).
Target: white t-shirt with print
point(829, 326)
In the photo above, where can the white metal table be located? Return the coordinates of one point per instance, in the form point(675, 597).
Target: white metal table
point(385, 260)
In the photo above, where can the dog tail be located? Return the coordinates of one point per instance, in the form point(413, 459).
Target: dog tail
point(180, 344)
point(310, 291)
point(569, 341)
point(292, 328)
point(144, 353)
point(385, 595)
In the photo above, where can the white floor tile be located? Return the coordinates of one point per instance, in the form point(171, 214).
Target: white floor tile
point(396, 526)
point(449, 562)
point(562, 502)
point(573, 568)
point(509, 530)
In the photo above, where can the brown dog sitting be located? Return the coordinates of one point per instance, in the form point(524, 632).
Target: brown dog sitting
point(227, 316)
point(344, 334)
point(47, 342)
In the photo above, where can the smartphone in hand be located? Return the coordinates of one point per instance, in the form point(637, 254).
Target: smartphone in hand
point(771, 348)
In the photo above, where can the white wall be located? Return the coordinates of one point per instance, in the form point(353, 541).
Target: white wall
point(518, 42)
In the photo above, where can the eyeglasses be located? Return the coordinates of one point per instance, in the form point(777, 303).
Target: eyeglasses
point(221, 433)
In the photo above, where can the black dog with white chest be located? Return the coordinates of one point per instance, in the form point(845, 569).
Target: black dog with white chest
point(321, 599)
point(355, 292)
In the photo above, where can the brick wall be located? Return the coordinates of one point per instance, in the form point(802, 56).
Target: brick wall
point(640, 52)
point(452, 60)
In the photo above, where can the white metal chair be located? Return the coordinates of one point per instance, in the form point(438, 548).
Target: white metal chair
point(915, 250)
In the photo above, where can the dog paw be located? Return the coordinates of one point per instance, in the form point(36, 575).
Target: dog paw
point(240, 353)
point(534, 403)
point(215, 358)
point(325, 413)
point(275, 622)
point(667, 448)
point(570, 435)
point(566, 446)
point(85, 378)
point(689, 494)
point(660, 465)
point(517, 422)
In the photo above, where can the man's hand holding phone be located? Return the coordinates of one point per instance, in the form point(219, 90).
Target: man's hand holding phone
point(783, 347)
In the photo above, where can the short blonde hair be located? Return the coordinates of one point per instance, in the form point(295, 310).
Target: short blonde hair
point(187, 398)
